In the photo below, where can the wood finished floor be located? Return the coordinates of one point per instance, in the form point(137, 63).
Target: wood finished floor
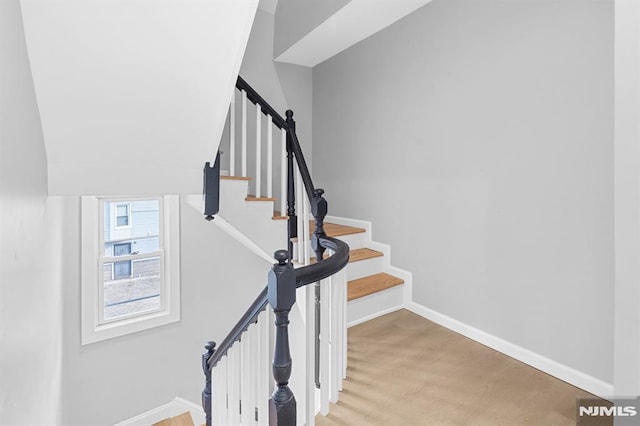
point(405, 370)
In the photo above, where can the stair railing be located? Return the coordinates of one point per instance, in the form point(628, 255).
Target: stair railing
point(237, 397)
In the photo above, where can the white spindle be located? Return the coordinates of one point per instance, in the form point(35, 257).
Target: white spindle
point(341, 308)
point(224, 415)
point(264, 367)
point(244, 133)
point(232, 135)
point(310, 343)
point(258, 150)
point(325, 346)
point(302, 238)
point(233, 382)
point(254, 337)
point(216, 404)
point(245, 379)
point(283, 172)
point(306, 219)
point(335, 337)
point(269, 156)
point(343, 297)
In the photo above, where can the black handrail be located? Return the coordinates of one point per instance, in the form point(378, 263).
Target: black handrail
point(249, 317)
point(254, 97)
point(297, 151)
point(329, 266)
point(305, 275)
point(283, 279)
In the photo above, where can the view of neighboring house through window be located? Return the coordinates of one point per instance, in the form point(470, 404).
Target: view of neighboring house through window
point(123, 215)
point(132, 258)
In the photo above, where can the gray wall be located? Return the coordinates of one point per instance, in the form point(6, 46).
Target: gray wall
point(113, 380)
point(110, 381)
point(478, 138)
point(297, 18)
point(30, 281)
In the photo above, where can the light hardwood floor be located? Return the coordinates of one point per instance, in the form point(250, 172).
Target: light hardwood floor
point(405, 370)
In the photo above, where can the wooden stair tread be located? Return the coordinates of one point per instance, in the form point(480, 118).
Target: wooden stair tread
point(278, 216)
point(371, 284)
point(334, 230)
point(358, 254)
point(254, 198)
point(235, 178)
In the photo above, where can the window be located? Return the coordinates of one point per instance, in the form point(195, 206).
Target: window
point(121, 269)
point(123, 215)
point(130, 265)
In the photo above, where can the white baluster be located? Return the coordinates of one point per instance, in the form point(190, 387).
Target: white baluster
point(340, 287)
point(244, 133)
point(263, 390)
point(325, 346)
point(310, 343)
point(245, 380)
point(216, 405)
point(343, 297)
point(283, 173)
point(258, 150)
point(224, 415)
point(269, 156)
point(335, 337)
point(254, 338)
point(302, 238)
point(233, 382)
point(306, 220)
point(232, 135)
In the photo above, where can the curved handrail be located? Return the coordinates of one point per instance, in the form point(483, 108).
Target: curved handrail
point(321, 270)
point(305, 275)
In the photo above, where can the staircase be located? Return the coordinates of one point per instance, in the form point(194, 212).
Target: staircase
point(350, 275)
point(374, 287)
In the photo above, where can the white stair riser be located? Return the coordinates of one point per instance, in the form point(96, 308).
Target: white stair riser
point(252, 218)
point(355, 241)
point(374, 305)
point(233, 190)
point(364, 268)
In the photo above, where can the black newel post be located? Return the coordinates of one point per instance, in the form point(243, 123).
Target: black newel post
point(211, 188)
point(206, 392)
point(282, 296)
point(291, 193)
point(319, 209)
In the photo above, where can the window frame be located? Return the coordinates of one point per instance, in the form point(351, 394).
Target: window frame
point(94, 327)
point(115, 216)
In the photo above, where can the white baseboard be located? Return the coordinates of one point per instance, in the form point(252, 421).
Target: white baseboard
point(171, 409)
point(375, 315)
point(565, 373)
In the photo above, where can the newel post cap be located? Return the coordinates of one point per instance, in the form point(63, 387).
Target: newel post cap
point(281, 290)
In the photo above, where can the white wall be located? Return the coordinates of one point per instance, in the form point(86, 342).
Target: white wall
point(113, 380)
point(297, 18)
point(133, 94)
point(30, 249)
point(478, 137)
point(627, 198)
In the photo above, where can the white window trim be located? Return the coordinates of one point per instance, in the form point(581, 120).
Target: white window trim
point(92, 329)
